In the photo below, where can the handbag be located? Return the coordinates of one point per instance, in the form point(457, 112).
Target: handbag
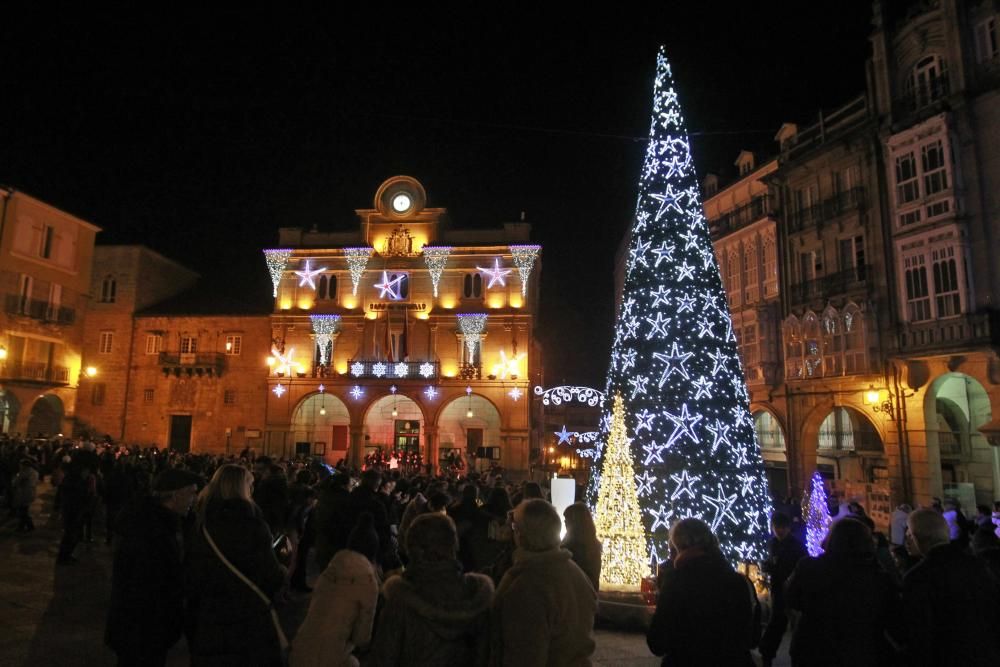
point(282, 639)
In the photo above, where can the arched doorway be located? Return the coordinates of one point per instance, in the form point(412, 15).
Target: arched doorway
point(9, 407)
point(850, 448)
point(320, 427)
point(470, 425)
point(394, 423)
point(957, 405)
point(46, 416)
point(772, 448)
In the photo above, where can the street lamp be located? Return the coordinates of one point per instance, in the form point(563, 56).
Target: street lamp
point(3, 353)
point(874, 398)
point(91, 371)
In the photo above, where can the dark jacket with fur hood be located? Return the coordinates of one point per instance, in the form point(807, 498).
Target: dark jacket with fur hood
point(434, 615)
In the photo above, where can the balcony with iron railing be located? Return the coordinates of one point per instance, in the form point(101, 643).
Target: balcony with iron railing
point(16, 304)
point(826, 210)
point(954, 333)
point(380, 369)
point(33, 371)
point(833, 284)
point(924, 99)
point(828, 126)
point(743, 216)
point(190, 363)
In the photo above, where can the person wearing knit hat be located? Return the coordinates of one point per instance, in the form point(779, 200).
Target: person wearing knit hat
point(146, 614)
point(342, 608)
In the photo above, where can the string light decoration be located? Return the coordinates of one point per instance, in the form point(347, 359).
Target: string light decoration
point(357, 393)
point(471, 325)
point(618, 518)
point(324, 326)
point(277, 260)
point(817, 516)
point(524, 259)
point(436, 258)
point(515, 394)
point(496, 275)
point(308, 274)
point(279, 390)
point(357, 262)
point(674, 360)
point(508, 366)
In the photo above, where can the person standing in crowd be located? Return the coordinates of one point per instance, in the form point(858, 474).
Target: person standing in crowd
point(951, 600)
point(956, 520)
point(471, 527)
point(545, 604)
point(784, 552)
point(706, 613)
point(433, 614)
point(897, 525)
point(581, 541)
point(366, 498)
point(844, 600)
point(73, 500)
point(23, 494)
point(146, 614)
point(342, 608)
point(331, 517)
point(231, 624)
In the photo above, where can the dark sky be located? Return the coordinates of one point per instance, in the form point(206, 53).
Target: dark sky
point(199, 135)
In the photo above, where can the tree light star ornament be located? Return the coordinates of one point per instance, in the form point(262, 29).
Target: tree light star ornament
point(357, 262)
point(675, 365)
point(277, 260)
point(524, 259)
point(436, 258)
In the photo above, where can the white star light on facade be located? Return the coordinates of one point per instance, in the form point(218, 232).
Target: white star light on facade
point(658, 326)
point(684, 424)
point(674, 363)
point(505, 367)
point(563, 435)
point(321, 388)
point(664, 252)
point(685, 484)
point(703, 387)
point(496, 275)
point(379, 369)
point(644, 483)
point(515, 394)
point(431, 393)
point(401, 368)
point(390, 287)
point(357, 393)
point(308, 275)
point(357, 369)
point(427, 369)
point(720, 434)
point(279, 390)
point(723, 505)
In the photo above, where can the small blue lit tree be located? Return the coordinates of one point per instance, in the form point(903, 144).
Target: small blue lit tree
point(817, 515)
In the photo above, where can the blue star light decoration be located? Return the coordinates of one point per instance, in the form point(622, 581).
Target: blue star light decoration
point(674, 359)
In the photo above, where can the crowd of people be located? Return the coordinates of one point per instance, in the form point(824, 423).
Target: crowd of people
point(417, 569)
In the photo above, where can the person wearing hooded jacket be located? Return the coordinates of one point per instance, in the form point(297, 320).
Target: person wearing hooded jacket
point(342, 608)
point(433, 614)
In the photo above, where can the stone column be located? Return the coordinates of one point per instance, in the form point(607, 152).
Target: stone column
point(355, 455)
point(431, 446)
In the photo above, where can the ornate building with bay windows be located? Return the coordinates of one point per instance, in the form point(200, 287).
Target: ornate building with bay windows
point(403, 334)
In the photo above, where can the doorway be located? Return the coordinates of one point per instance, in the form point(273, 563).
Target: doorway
point(180, 433)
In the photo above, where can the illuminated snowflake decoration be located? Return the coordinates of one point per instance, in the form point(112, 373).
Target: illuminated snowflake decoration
point(324, 327)
point(277, 260)
point(307, 276)
point(496, 274)
point(515, 394)
point(675, 363)
point(431, 393)
point(524, 259)
point(379, 369)
point(357, 262)
point(436, 258)
point(357, 369)
point(400, 369)
point(472, 325)
point(279, 390)
point(427, 369)
point(357, 393)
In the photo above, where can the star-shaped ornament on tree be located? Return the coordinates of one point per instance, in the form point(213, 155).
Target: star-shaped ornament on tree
point(495, 275)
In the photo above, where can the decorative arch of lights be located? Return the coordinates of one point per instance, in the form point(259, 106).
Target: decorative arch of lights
point(570, 394)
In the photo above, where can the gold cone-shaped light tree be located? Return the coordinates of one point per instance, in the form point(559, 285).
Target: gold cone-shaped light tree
point(618, 517)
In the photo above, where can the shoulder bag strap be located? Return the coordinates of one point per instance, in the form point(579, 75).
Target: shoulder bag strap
point(282, 639)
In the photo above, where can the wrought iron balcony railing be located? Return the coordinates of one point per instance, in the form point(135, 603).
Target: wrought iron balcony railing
point(30, 371)
point(833, 284)
point(826, 210)
point(380, 369)
point(16, 304)
point(759, 207)
point(207, 363)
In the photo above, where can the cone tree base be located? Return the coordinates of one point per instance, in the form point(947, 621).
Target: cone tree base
point(624, 610)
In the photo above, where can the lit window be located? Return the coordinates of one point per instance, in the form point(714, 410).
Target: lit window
point(918, 303)
point(154, 342)
point(935, 177)
point(928, 82)
point(907, 188)
point(189, 344)
point(234, 344)
point(109, 289)
point(946, 295)
point(751, 284)
point(107, 342)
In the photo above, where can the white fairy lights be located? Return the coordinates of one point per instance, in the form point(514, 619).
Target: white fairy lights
point(436, 258)
point(472, 325)
point(357, 262)
point(307, 275)
point(277, 260)
point(674, 363)
point(324, 326)
point(495, 275)
point(524, 259)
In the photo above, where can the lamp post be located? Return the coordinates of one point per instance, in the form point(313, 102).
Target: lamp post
point(880, 400)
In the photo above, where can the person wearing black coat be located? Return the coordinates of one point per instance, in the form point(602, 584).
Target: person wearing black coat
point(785, 551)
point(951, 600)
point(332, 517)
point(366, 498)
point(706, 612)
point(229, 624)
point(846, 603)
point(146, 614)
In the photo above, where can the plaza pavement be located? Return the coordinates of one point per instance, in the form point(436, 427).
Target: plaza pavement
point(55, 616)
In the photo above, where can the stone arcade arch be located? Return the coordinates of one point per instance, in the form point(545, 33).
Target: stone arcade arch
point(458, 432)
point(46, 416)
point(9, 408)
point(771, 437)
point(321, 423)
point(406, 429)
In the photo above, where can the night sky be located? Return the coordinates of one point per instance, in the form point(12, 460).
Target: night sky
point(199, 135)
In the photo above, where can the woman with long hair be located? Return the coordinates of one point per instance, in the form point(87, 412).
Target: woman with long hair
point(231, 545)
point(581, 541)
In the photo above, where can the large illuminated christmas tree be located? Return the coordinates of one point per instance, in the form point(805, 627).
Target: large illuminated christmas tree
point(674, 360)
